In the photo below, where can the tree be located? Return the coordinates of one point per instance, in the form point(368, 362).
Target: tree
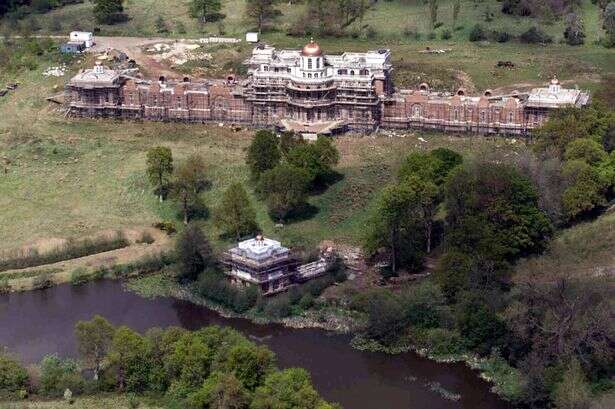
point(161, 25)
point(13, 378)
point(586, 150)
point(433, 13)
point(585, 191)
point(250, 364)
point(262, 12)
point(479, 326)
point(220, 391)
point(205, 10)
point(609, 22)
point(190, 180)
point(456, 10)
point(236, 217)
point(193, 251)
point(129, 355)
point(160, 168)
point(288, 389)
point(316, 159)
point(263, 154)
point(573, 392)
point(574, 33)
point(492, 210)
point(58, 375)
point(108, 11)
point(285, 189)
point(393, 219)
point(453, 273)
point(93, 341)
point(190, 360)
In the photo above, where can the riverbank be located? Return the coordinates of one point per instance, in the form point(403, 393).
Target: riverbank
point(505, 380)
point(103, 401)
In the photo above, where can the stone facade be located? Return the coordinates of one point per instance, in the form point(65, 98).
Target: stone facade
point(309, 92)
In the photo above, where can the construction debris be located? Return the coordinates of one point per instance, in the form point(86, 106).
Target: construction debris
point(55, 71)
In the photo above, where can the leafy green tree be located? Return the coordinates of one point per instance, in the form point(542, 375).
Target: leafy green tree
point(160, 168)
point(262, 12)
point(385, 316)
point(263, 154)
point(453, 273)
point(194, 253)
point(587, 150)
point(129, 355)
point(57, 375)
point(13, 378)
point(423, 165)
point(316, 159)
point(108, 11)
point(189, 181)
point(220, 391)
point(492, 211)
point(481, 329)
point(235, 216)
point(93, 341)
point(250, 364)
point(288, 389)
point(190, 360)
point(285, 189)
point(586, 189)
point(204, 10)
point(393, 224)
point(450, 160)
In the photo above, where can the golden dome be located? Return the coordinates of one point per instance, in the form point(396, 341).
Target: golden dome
point(555, 81)
point(312, 49)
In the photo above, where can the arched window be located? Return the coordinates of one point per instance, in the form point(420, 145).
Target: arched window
point(309, 75)
point(511, 117)
point(351, 72)
point(416, 111)
point(456, 114)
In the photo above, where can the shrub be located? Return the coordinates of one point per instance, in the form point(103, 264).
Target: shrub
point(168, 227)
point(441, 342)
point(535, 36)
point(13, 378)
point(502, 37)
point(57, 375)
point(80, 276)
point(446, 35)
point(278, 307)
point(146, 238)
point(42, 281)
point(306, 302)
point(477, 33)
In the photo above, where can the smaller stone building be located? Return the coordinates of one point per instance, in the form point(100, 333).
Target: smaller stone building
point(262, 262)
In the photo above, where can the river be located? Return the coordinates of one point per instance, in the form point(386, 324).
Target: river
point(36, 323)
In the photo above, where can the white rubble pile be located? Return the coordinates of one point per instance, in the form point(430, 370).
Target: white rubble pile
point(58, 71)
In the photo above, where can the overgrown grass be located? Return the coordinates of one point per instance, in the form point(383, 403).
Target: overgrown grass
point(86, 402)
point(31, 257)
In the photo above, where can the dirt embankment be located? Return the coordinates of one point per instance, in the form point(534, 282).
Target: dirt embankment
point(60, 272)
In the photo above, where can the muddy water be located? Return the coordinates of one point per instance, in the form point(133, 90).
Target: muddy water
point(36, 323)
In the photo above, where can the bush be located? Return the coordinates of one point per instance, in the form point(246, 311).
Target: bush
point(168, 227)
point(502, 37)
point(535, 36)
point(80, 276)
point(146, 238)
point(440, 341)
point(278, 307)
point(14, 379)
point(446, 35)
point(57, 375)
point(306, 302)
point(42, 281)
point(477, 33)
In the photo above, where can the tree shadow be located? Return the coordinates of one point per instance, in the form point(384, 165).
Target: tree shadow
point(324, 182)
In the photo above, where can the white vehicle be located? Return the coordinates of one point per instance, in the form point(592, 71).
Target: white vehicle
point(83, 36)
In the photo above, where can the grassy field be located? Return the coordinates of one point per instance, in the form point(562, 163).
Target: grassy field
point(95, 402)
point(76, 177)
point(388, 19)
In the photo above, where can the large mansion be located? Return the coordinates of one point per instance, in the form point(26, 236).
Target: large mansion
point(309, 92)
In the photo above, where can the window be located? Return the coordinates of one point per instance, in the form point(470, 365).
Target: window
point(456, 114)
point(318, 63)
point(416, 111)
point(482, 116)
point(511, 118)
point(266, 68)
point(351, 72)
point(309, 63)
point(309, 75)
